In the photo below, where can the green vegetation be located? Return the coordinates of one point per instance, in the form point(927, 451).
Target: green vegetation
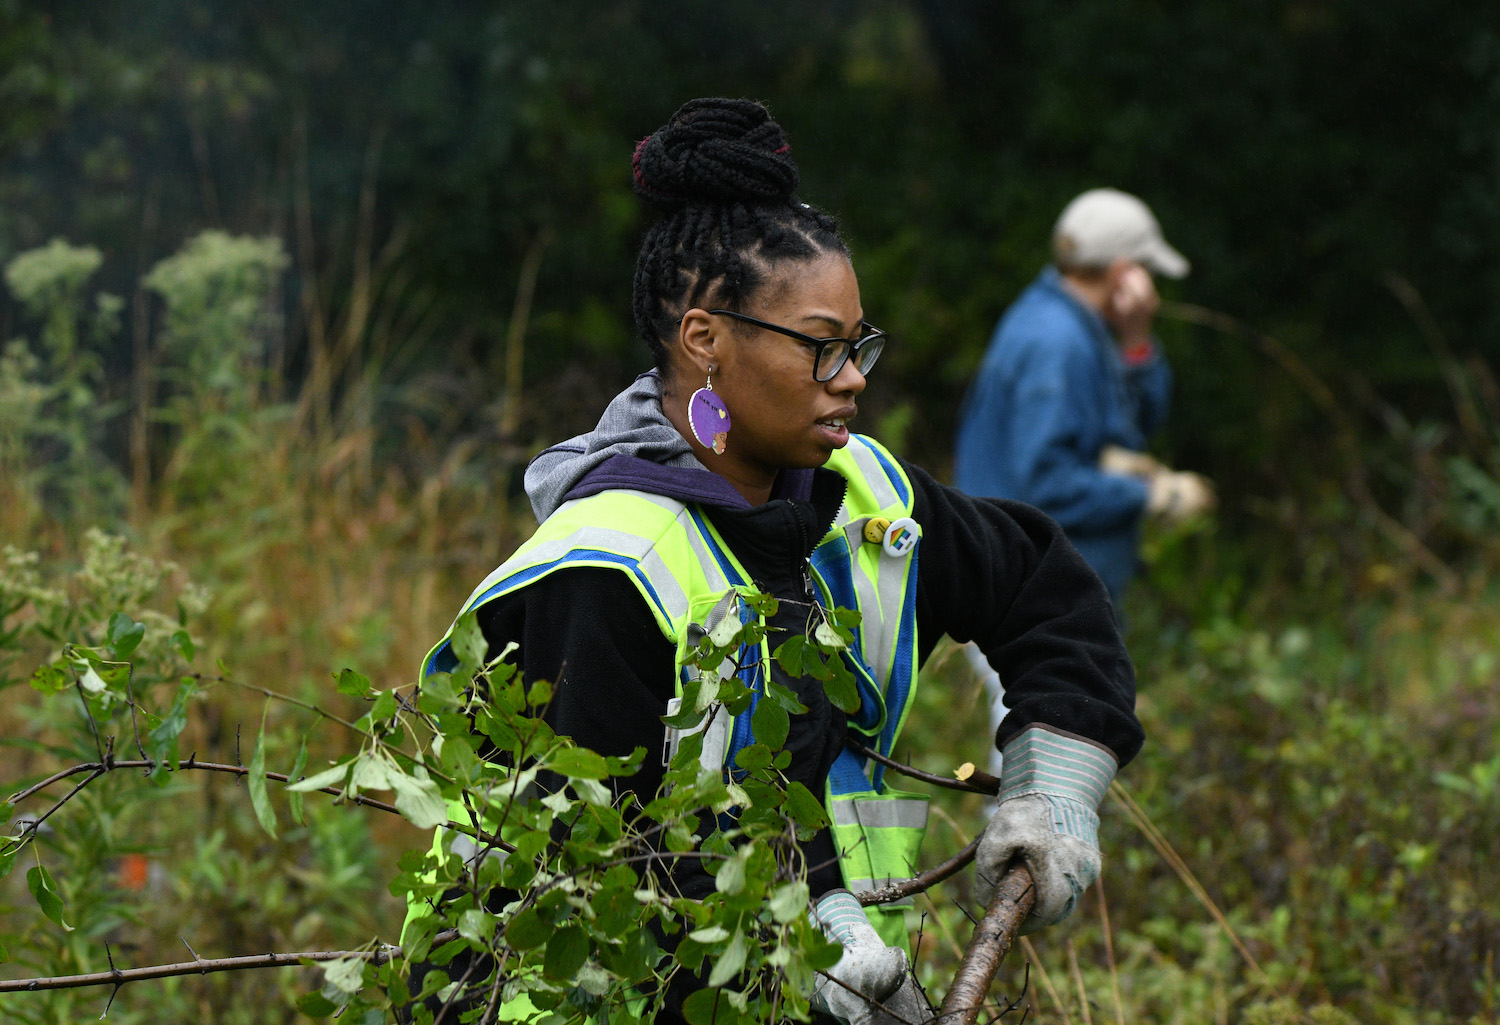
point(298, 434)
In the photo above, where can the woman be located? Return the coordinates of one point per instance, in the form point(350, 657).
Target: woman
point(732, 462)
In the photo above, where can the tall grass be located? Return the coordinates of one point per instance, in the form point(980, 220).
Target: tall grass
point(1321, 709)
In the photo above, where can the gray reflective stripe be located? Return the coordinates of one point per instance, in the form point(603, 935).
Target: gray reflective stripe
point(665, 583)
point(880, 642)
point(717, 581)
point(873, 631)
point(885, 493)
point(896, 812)
point(858, 886)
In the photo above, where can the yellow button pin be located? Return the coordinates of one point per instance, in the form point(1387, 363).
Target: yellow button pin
point(875, 530)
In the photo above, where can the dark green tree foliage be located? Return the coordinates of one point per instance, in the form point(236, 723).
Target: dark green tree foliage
point(1297, 151)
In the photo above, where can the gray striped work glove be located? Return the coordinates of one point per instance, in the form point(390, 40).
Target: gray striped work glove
point(868, 969)
point(1048, 817)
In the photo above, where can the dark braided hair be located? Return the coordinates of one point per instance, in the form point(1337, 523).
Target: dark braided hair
point(721, 174)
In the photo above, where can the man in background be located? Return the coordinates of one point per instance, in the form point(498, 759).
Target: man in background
point(1071, 387)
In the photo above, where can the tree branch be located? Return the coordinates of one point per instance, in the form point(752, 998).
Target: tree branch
point(992, 939)
point(100, 768)
point(919, 883)
point(203, 966)
point(976, 782)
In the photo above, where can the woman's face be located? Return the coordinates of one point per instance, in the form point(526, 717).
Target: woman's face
point(781, 417)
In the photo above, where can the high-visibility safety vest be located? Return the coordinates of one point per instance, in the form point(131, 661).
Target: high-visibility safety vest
point(686, 573)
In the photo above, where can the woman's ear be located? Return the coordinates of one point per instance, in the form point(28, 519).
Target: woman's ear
point(698, 341)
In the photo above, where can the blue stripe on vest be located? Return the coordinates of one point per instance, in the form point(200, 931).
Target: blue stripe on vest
point(847, 775)
point(835, 566)
point(901, 681)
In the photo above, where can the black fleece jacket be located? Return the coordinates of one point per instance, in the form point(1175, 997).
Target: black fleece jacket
point(995, 572)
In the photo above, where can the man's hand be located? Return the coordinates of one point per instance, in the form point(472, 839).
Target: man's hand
point(1048, 818)
point(1128, 462)
point(1132, 305)
point(868, 970)
point(1176, 496)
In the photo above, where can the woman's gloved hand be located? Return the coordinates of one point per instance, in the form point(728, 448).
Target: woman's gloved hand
point(1048, 817)
point(869, 970)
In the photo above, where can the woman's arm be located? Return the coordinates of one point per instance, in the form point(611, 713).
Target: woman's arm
point(1002, 574)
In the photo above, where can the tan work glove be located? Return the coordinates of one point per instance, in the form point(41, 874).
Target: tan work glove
point(1177, 495)
point(1128, 462)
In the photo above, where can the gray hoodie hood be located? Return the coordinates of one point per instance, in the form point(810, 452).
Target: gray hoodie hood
point(636, 447)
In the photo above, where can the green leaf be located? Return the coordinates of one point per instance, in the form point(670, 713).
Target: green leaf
point(579, 762)
point(124, 634)
point(333, 777)
point(468, 645)
point(708, 1007)
point(804, 809)
point(770, 723)
point(527, 930)
point(792, 655)
point(163, 739)
point(45, 891)
point(828, 636)
point(419, 800)
point(845, 617)
point(385, 706)
point(345, 974)
point(729, 963)
point(294, 800)
point(789, 901)
point(566, 952)
point(181, 642)
point(727, 630)
point(756, 756)
point(709, 934)
point(259, 799)
point(50, 679)
point(353, 683)
point(316, 1005)
point(476, 925)
point(840, 687)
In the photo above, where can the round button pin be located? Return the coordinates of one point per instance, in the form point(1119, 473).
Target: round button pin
point(900, 537)
point(875, 530)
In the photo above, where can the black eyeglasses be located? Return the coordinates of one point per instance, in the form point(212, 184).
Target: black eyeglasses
point(829, 354)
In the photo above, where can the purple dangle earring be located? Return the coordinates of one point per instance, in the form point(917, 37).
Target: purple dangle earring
point(709, 417)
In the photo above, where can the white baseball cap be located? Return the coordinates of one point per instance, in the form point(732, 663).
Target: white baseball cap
point(1103, 225)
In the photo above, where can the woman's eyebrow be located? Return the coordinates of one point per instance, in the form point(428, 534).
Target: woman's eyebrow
point(834, 322)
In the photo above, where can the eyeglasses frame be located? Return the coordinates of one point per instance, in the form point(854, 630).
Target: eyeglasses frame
point(818, 344)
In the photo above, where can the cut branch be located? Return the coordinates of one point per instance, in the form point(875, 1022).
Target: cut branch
point(978, 783)
point(992, 940)
point(206, 965)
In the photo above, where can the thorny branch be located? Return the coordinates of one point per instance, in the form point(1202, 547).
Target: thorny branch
point(204, 965)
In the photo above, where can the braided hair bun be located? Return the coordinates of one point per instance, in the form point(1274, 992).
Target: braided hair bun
point(721, 175)
point(716, 151)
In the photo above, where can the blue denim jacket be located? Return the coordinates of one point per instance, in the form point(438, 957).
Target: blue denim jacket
point(1051, 393)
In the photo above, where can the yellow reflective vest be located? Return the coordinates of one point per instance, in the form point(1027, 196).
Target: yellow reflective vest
point(685, 572)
